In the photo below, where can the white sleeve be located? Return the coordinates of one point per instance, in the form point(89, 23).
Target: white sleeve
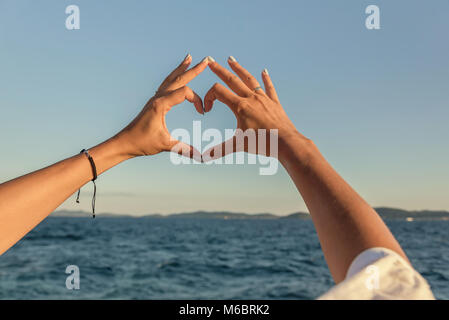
point(379, 273)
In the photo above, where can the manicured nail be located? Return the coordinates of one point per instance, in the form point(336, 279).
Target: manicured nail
point(266, 72)
point(231, 58)
point(208, 59)
point(188, 56)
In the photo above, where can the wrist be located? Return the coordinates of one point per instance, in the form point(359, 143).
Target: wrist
point(295, 147)
point(109, 154)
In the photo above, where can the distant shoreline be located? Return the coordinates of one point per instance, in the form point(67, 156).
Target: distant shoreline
point(384, 212)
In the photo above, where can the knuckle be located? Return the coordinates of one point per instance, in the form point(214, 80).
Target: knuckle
point(157, 103)
point(259, 98)
point(231, 78)
point(178, 79)
point(241, 106)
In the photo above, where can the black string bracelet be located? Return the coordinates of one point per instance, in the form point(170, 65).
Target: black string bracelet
point(94, 172)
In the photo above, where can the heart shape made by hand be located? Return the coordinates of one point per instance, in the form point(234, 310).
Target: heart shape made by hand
point(258, 112)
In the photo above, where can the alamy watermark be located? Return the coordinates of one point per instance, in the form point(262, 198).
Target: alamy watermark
point(72, 22)
point(261, 146)
point(372, 22)
point(72, 282)
point(372, 281)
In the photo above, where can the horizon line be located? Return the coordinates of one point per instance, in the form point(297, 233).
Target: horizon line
point(234, 212)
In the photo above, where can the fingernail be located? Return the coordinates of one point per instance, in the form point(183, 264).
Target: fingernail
point(208, 59)
point(266, 72)
point(231, 58)
point(188, 56)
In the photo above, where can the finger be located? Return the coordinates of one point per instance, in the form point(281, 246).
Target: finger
point(185, 150)
point(230, 79)
point(181, 94)
point(178, 71)
point(269, 88)
point(220, 93)
point(184, 78)
point(244, 74)
point(220, 150)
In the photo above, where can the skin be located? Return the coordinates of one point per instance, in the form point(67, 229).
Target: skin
point(27, 200)
point(345, 223)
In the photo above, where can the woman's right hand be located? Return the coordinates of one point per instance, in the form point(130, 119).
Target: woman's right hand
point(253, 107)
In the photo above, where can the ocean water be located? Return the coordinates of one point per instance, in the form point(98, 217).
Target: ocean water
point(128, 258)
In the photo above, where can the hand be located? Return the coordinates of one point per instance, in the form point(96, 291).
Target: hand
point(147, 134)
point(254, 109)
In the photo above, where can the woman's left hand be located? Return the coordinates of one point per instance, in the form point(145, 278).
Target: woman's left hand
point(147, 134)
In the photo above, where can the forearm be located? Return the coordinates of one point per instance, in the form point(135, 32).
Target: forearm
point(27, 200)
point(345, 223)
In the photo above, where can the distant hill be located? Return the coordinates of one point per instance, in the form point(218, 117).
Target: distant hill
point(296, 215)
point(223, 215)
point(85, 214)
point(384, 212)
point(184, 215)
point(393, 213)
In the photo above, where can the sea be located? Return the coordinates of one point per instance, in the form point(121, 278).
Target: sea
point(182, 258)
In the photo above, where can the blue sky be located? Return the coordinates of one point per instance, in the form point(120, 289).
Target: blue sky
point(374, 101)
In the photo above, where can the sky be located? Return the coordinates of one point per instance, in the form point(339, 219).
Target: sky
point(376, 102)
